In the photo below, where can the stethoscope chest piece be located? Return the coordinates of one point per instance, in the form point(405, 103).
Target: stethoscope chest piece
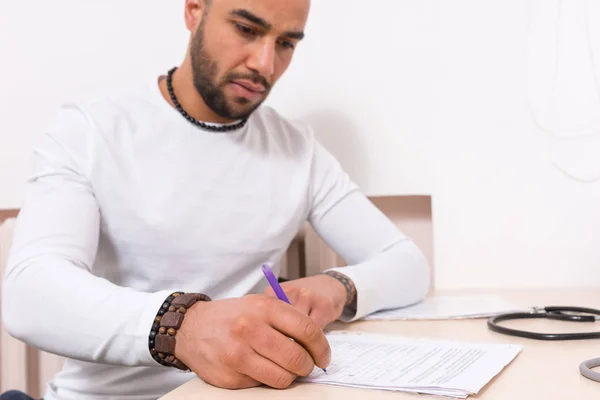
point(585, 368)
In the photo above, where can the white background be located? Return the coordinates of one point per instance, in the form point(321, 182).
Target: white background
point(504, 212)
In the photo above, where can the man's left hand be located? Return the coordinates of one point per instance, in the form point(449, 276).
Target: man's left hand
point(321, 297)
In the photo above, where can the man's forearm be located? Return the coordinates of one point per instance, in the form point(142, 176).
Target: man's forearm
point(388, 270)
point(53, 305)
point(397, 277)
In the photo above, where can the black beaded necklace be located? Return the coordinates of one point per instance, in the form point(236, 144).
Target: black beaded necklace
point(213, 128)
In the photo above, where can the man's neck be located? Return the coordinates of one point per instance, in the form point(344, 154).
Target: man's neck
point(188, 97)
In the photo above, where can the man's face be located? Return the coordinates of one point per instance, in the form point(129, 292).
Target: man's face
point(241, 48)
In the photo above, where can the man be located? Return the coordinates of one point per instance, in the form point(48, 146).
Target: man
point(138, 249)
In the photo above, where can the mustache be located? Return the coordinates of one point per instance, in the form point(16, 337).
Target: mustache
point(254, 78)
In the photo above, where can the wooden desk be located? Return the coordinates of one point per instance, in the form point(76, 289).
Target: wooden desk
point(543, 369)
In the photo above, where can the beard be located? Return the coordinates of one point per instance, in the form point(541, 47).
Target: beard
point(212, 89)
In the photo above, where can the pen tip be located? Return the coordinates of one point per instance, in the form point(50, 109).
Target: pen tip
point(325, 370)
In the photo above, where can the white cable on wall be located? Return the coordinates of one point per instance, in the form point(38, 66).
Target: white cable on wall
point(586, 130)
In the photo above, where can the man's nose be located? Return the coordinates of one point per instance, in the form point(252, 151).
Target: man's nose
point(262, 59)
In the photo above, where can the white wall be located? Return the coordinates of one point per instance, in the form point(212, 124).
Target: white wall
point(364, 77)
point(504, 211)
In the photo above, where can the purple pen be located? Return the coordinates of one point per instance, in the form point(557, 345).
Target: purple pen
point(274, 283)
point(272, 279)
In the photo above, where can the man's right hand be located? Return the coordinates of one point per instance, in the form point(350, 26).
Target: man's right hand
point(245, 342)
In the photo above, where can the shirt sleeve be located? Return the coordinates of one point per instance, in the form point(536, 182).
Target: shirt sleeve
point(51, 299)
point(387, 268)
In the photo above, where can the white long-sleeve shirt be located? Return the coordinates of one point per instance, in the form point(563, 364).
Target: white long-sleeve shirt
point(128, 202)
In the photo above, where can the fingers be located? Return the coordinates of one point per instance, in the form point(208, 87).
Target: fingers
point(229, 379)
point(266, 371)
point(300, 327)
point(249, 367)
point(273, 345)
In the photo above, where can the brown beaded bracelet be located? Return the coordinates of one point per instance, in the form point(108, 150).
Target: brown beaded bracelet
point(166, 323)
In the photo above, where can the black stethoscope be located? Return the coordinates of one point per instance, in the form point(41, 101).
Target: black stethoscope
point(573, 314)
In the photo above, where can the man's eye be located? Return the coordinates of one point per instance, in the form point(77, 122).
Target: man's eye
point(246, 30)
point(286, 45)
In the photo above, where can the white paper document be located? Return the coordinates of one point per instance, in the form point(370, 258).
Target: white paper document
point(390, 362)
point(449, 307)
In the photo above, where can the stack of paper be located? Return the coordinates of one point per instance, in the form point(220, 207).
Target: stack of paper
point(388, 362)
point(449, 307)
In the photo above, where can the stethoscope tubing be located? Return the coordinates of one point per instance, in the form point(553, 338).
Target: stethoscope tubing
point(554, 312)
point(557, 313)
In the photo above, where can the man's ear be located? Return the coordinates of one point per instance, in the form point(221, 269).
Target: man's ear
point(194, 11)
